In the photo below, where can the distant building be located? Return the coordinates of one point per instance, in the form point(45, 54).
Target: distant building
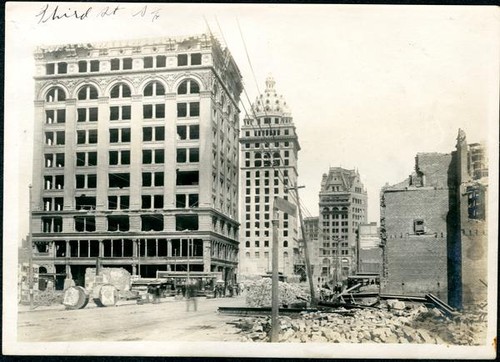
point(342, 207)
point(369, 250)
point(433, 227)
point(311, 232)
point(269, 148)
point(136, 157)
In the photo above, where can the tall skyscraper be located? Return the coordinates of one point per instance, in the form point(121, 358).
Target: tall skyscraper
point(135, 157)
point(342, 207)
point(269, 147)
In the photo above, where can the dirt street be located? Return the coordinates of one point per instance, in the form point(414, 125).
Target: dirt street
point(166, 321)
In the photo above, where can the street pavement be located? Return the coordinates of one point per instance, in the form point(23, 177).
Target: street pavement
point(128, 321)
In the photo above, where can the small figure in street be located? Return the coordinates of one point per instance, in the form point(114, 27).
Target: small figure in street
point(191, 295)
point(230, 290)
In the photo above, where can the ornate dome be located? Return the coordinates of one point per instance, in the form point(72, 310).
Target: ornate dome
point(270, 103)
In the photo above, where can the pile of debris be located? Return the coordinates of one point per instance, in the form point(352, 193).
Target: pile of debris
point(396, 323)
point(259, 294)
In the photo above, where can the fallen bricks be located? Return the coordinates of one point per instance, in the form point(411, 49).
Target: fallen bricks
point(397, 324)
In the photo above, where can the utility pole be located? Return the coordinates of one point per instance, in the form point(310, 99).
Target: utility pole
point(314, 301)
point(284, 206)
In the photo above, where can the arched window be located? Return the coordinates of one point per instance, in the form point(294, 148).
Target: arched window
point(247, 244)
point(285, 255)
point(55, 94)
point(247, 255)
point(120, 91)
point(154, 89)
point(87, 92)
point(189, 86)
point(258, 155)
point(285, 244)
point(326, 261)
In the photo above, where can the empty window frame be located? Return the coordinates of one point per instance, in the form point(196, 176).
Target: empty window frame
point(153, 134)
point(87, 92)
point(187, 178)
point(86, 136)
point(120, 90)
point(188, 155)
point(119, 135)
point(53, 203)
point(121, 64)
point(55, 94)
point(55, 116)
point(119, 157)
point(53, 182)
point(185, 201)
point(154, 89)
point(152, 179)
point(188, 109)
point(191, 132)
point(188, 59)
point(86, 159)
point(84, 223)
point(152, 202)
point(119, 113)
point(54, 138)
point(54, 160)
point(119, 180)
point(85, 202)
point(86, 181)
point(84, 66)
point(156, 156)
point(160, 61)
point(52, 224)
point(151, 222)
point(153, 111)
point(418, 226)
point(186, 222)
point(188, 86)
point(118, 223)
point(118, 202)
point(87, 114)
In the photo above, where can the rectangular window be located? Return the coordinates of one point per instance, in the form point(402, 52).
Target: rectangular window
point(182, 60)
point(94, 65)
point(118, 113)
point(119, 180)
point(148, 62)
point(418, 226)
point(127, 63)
point(50, 68)
point(181, 109)
point(187, 178)
point(161, 61)
point(196, 59)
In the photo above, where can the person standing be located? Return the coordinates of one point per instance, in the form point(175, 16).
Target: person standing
point(191, 295)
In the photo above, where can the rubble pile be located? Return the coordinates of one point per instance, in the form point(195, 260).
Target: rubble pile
point(396, 324)
point(48, 297)
point(259, 294)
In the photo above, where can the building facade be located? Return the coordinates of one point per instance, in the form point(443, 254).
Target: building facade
point(369, 252)
point(311, 232)
point(136, 157)
point(342, 207)
point(269, 148)
point(434, 227)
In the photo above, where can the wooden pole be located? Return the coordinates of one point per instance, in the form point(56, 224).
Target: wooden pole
point(275, 281)
point(314, 301)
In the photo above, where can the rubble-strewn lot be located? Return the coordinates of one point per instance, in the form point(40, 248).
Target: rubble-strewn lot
point(259, 293)
point(398, 323)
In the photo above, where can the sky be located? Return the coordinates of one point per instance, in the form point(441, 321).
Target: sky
point(368, 86)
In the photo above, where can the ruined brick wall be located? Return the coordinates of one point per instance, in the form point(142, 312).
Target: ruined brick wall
point(435, 168)
point(416, 264)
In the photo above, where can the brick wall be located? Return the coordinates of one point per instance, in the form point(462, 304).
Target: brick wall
point(416, 264)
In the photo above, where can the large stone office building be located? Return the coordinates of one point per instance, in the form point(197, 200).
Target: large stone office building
point(269, 147)
point(342, 208)
point(135, 157)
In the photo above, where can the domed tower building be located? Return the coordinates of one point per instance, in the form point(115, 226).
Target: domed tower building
point(269, 147)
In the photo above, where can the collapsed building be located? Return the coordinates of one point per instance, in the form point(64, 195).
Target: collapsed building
point(433, 227)
point(136, 158)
